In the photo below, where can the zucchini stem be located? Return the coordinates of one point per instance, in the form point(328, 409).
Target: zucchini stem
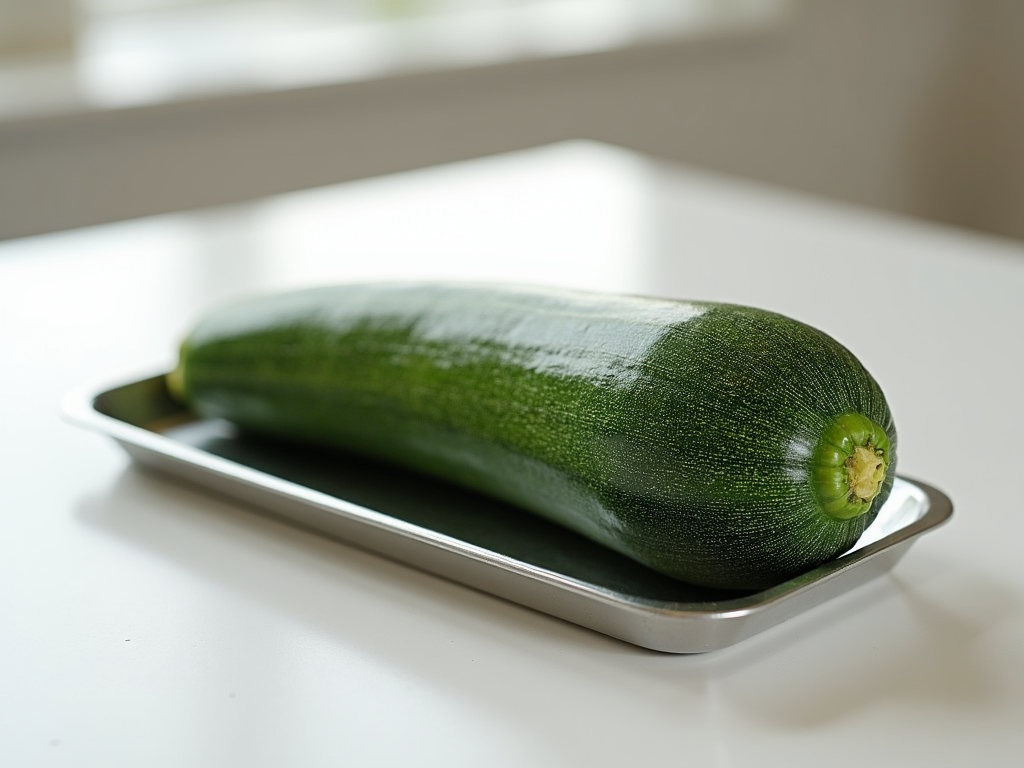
point(851, 465)
point(175, 381)
point(865, 471)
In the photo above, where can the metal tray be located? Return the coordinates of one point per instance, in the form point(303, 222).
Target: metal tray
point(477, 541)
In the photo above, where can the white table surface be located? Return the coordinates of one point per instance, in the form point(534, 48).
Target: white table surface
point(145, 622)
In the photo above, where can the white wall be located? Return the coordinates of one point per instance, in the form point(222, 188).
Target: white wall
point(912, 106)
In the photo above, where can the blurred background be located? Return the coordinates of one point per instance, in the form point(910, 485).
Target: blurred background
point(114, 109)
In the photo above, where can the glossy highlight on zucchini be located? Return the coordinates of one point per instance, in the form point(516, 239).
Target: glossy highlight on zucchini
point(722, 445)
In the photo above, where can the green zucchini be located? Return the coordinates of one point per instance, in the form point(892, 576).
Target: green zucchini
point(721, 445)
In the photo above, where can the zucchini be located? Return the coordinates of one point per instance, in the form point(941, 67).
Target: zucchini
point(722, 445)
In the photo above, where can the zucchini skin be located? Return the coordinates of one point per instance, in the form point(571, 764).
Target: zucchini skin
point(685, 435)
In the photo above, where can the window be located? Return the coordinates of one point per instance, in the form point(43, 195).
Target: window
point(136, 51)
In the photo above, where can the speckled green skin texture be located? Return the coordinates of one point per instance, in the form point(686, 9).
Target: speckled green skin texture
point(688, 436)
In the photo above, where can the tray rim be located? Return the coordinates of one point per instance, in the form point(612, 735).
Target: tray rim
point(663, 619)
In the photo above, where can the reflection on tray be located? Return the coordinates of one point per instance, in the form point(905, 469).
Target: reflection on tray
point(412, 498)
point(440, 507)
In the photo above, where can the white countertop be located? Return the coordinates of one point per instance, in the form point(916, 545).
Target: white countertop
point(146, 622)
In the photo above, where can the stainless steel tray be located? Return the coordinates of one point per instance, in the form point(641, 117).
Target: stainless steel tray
point(477, 541)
